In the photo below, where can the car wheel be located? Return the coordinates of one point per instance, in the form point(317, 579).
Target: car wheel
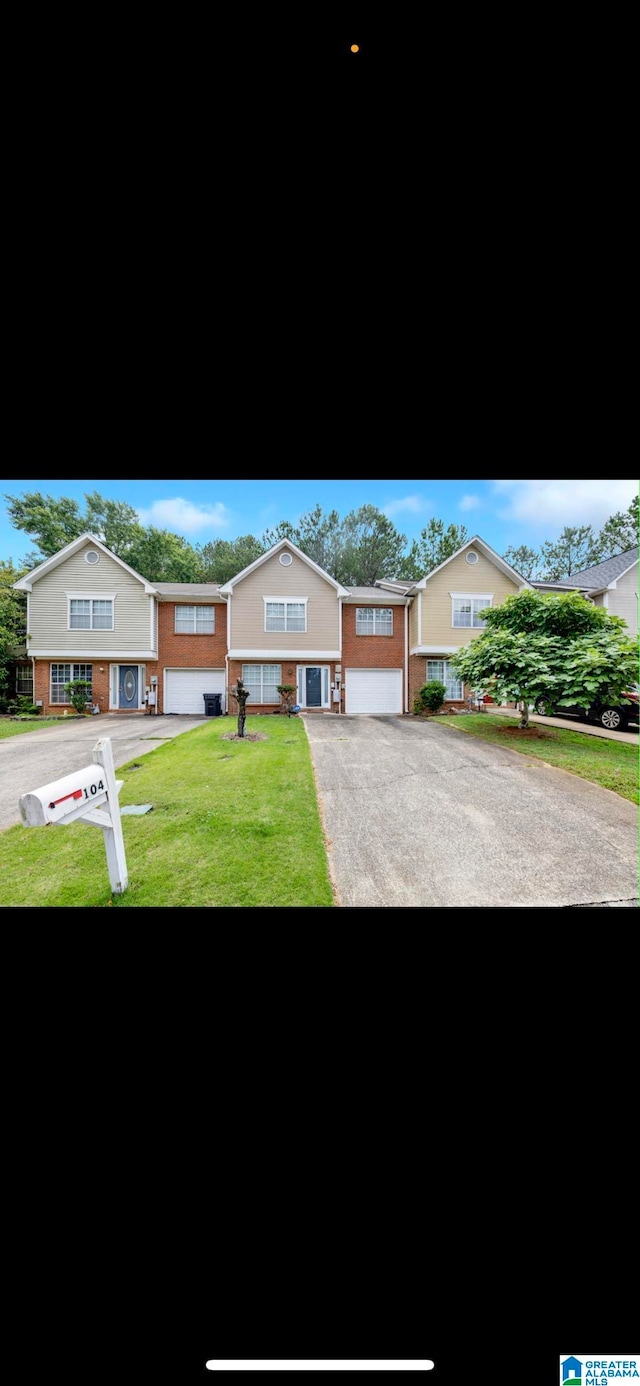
point(611, 718)
point(544, 708)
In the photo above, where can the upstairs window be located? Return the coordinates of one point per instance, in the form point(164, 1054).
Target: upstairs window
point(467, 610)
point(91, 613)
point(285, 615)
point(374, 620)
point(195, 620)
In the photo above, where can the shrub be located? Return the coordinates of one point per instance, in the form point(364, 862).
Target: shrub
point(431, 695)
point(78, 691)
point(288, 693)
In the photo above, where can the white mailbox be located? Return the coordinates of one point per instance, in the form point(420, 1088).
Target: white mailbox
point(90, 794)
point(67, 798)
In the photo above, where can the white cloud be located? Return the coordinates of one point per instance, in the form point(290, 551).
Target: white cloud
point(554, 504)
point(183, 517)
point(413, 503)
point(470, 502)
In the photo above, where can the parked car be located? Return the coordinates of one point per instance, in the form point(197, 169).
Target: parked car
point(613, 716)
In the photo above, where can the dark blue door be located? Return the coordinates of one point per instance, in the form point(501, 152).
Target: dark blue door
point(128, 686)
point(314, 697)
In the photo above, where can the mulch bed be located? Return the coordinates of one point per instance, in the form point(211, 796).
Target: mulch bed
point(528, 733)
point(248, 736)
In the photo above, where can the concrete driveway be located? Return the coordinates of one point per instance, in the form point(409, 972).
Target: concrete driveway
point(48, 753)
point(421, 815)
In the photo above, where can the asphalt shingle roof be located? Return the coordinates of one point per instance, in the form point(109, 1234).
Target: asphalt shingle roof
point(603, 573)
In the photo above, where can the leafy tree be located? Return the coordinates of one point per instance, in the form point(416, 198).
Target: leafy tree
point(53, 523)
point(437, 544)
point(13, 619)
point(523, 559)
point(556, 646)
point(372, 547)
point(221, 559)
point(115, 523)
point(161, 556)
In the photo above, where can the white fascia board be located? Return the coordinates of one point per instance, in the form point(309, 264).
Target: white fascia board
point(284, 543)
point(488, 552)
point(24, 585)
point(302, 656)
point(92, 656)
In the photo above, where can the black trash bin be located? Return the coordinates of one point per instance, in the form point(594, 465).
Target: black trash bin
point(212, 704)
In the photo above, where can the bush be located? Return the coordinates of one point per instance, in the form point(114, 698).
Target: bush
point(78, 691)
point(431, 696)
point(288, 692)
point(23, 707)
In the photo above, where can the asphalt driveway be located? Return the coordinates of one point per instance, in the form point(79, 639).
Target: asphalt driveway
point(421, 815)
point(48, 753)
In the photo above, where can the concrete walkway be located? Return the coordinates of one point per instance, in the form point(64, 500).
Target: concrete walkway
point(571, 723)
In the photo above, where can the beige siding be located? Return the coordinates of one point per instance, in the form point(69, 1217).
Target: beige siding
point(49, 608)
point(413, 621)
point(272, 580)
point(482, 578)
point(623, 600)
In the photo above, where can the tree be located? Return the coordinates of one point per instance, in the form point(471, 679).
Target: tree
point(437, 544)
point(240, 693)
point(372, 547)
point(114, 522)
point(556, 646)
point(222, 559)
point(53, 523)
point(13, 619)
point(524, 560)
point(619, 533)
point(574, 550)
point(161, 556)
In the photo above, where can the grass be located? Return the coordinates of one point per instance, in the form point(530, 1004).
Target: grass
point(233, 823)
point(8, 728)
point(612, 764)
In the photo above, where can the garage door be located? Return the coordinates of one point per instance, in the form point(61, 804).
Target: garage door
point(373, 690)
point(184, 689)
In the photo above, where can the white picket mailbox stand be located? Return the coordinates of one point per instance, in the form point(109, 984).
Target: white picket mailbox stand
point(78, 797)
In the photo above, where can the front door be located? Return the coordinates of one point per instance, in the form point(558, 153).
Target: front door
point(313, 688)
point(128, 686)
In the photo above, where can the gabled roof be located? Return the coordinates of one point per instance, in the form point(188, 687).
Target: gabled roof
point(489, 553)
point(602, 575)
point(228, 587)
point(26, 583)
point(371, 595)
point(405, 588)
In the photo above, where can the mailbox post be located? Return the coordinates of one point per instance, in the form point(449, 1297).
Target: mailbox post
point(89, 795)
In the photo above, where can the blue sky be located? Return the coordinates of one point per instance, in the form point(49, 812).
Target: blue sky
point(501, 512)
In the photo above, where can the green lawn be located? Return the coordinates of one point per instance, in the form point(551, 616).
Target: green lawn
point(233, 823)
point(8, 728)
point(612, 764)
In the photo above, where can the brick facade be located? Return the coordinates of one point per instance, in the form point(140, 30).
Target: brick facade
point(418, 676)
point(188, 651)
point(372, 651)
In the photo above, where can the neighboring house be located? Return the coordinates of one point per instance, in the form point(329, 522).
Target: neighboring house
point(612, 584)
point(281, 620)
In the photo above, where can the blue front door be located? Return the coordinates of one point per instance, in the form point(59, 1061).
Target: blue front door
point(313, 688)
point(128, 686)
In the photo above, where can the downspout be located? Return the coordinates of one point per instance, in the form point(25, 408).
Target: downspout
point(406, 654)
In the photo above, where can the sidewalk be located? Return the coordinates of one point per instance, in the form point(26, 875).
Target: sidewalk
point(571, 723)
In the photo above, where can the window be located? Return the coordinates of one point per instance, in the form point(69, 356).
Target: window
point(373, 620)
point(89, 613)
point(466, 610)
point(24, 681)
point(65, 673)
point(261, 681)
point(195, 620)
point(439, 669)
point(285, 615)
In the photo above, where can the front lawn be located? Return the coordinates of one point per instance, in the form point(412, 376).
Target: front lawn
point(9, 728)
point(612, 764)
point(233, 823)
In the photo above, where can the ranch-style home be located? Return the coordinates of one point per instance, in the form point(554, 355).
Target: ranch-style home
point(282, 619)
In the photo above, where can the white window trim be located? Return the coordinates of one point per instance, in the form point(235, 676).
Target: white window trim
point(286, 601)
point(114, 684)
point(439, 659)
point(376, 610)
point(66, 702)
point(91, 597)
point(261, 702)
point(469, 597)
point(194, 606)
point(301, 683)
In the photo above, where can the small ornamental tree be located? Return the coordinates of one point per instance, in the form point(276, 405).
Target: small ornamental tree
point(78, 690)
point(287, 693)
point(561, 648)
point(240, 693)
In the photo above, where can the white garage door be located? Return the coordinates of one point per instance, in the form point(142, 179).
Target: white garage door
point(184, 689)
point(373, 690)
